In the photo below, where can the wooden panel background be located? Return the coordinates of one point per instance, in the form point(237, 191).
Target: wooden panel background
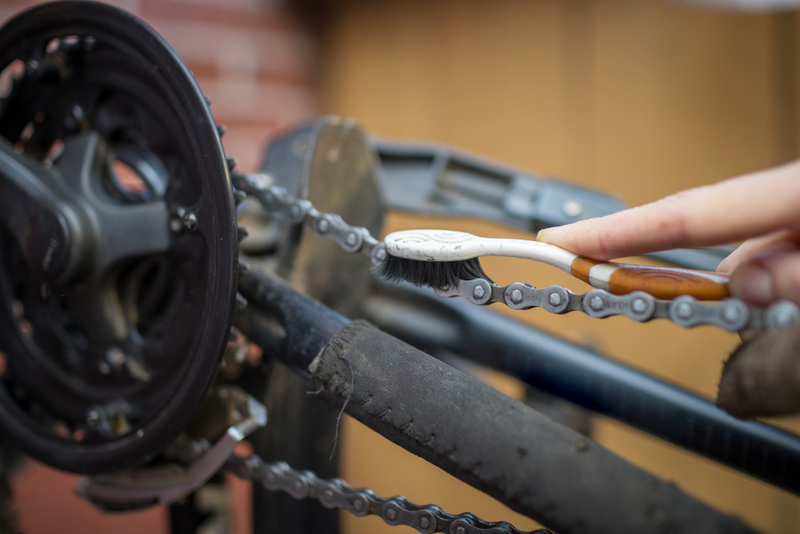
point(643, 98)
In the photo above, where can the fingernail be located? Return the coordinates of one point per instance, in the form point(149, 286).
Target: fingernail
point(540, 234)
point(752, 283)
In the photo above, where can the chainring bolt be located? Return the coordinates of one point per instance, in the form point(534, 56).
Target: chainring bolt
point(554, 299)
point(516, 296)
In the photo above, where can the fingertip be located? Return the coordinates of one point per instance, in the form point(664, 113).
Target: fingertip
point(753, 283)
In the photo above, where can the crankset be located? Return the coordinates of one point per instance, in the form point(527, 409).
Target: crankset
point(118, 255)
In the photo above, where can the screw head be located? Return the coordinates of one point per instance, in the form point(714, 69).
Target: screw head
point(190, 222)
point(572, 208)
point(554, 299)
point(516, 296)
point(639, 305)
point(478, 292)
point(596, 303)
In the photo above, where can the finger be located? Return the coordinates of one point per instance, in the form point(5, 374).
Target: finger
point(780, 241)
point(732, 210)
point(765, 279)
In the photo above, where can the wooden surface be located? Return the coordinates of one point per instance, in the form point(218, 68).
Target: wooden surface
point(643, 98)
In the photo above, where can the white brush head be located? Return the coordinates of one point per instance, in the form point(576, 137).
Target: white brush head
point(433, 245)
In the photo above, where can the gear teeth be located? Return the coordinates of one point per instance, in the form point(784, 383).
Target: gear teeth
point(243, 267)
point(241, 232)
point(241, 302)
point(233, 335)
point(221, 129)
point(231, 163)
point(239, 196)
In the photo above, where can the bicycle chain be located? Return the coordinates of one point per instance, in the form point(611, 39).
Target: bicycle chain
point(730, 314)
point(336, 493)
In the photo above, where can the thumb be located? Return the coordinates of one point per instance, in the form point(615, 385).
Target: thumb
point(765, 279)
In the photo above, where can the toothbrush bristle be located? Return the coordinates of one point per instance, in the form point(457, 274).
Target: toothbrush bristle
point(436, 274)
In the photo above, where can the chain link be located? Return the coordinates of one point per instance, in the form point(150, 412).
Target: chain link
point(730, 314)
point(336, 493)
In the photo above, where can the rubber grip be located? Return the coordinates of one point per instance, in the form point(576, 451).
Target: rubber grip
point(661, 282)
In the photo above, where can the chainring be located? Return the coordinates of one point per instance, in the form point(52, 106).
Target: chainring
point(74, 69)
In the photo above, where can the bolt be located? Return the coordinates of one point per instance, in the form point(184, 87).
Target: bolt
point(684, 310)
point(358, 505)
point(596, 303)
point(516, 296)
point(572, 208)
point(322, 226)
point(638, 305)
point(478, 292)
point(93, 418)
point(554, 299)
point(391, 514)
point(190, 222)
point(424, 522)
point(327, 495)
point(731, 314)
point(352, 239)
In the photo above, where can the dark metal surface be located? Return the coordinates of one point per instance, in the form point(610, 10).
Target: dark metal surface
point(588, 379)
point(98, 376)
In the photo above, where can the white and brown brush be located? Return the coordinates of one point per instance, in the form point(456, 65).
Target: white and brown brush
point(440, 258)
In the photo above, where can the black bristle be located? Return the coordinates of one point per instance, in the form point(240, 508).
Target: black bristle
point(436, 274)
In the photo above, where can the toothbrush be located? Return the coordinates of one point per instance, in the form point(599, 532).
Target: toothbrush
point(441, 258)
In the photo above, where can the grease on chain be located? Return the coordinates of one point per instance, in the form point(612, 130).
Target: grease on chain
point(730, 314)
point(336, 493)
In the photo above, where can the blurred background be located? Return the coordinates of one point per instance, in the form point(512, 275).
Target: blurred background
point(639, 97)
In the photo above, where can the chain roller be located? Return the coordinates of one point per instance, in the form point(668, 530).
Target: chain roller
point(336, 493)
point(730, 314)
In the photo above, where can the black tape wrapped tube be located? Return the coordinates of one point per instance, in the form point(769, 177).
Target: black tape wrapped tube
point(482, 437)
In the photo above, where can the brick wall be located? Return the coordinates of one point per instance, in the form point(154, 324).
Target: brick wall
point(253, 58)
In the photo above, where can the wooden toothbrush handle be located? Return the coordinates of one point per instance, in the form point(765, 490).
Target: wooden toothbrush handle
point(661, 282)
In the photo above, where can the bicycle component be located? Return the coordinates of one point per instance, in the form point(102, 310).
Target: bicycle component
point(730, 314)
point(409, 397)
point(430, 247)
point(336, 493)
point(166, 484)
point(443, 327)
point(131, 264)
point(441, 181)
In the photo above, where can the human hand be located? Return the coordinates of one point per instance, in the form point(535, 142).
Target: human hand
point(762, 209)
